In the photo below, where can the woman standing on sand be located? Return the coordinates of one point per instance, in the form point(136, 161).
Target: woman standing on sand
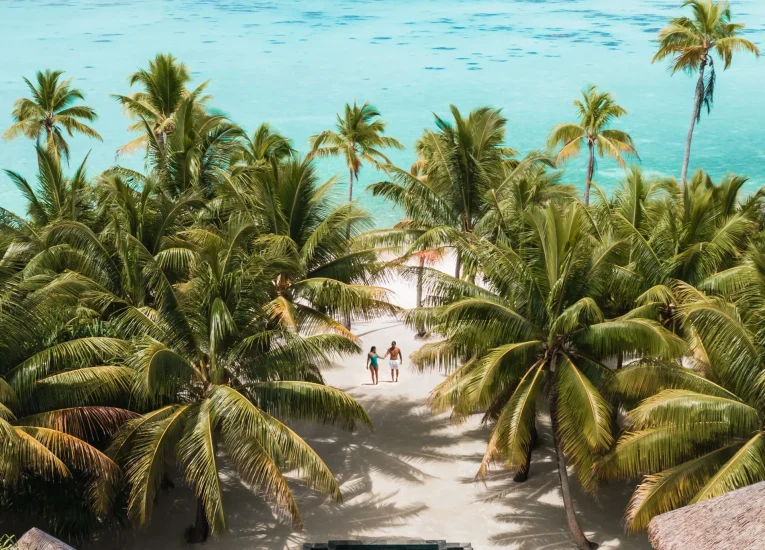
point(372, 358)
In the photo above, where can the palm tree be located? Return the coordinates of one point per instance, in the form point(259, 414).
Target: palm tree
point(597, 111)
point(526, 185)
point(55, 197)
point(322, 276)
point(215, 369)
point(673, 233)
point(446, 192)
point(51, 426)
point(537, 332)
point(697, 230)
point(164, 90)
point(264, 146)
point(358, 137)
point(689, 42)
point(698, 431)
point(51, 111)
point(196, 155)
point(41, 446)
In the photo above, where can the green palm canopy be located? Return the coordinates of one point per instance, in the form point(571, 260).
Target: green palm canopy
point(535, 331)
point(50, 112)
point(597, 111)
point(689, 43)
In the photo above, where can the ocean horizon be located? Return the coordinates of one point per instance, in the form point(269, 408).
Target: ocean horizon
point(295, 64)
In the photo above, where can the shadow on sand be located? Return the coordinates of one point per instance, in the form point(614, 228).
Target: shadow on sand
point(533, 517)
point(377, 470)
point(412, 477)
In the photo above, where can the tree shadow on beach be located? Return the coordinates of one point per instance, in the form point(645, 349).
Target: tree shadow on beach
point(533, 515)
point(374, 468)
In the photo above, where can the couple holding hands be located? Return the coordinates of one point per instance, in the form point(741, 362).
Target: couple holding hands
point(395, 362)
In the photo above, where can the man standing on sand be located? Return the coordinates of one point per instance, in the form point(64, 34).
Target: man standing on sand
point(396, 359)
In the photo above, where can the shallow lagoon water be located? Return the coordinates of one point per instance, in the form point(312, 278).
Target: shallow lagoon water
point(295, 63)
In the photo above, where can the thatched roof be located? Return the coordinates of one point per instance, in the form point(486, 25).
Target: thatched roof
point(733, 520)
point(34, 539)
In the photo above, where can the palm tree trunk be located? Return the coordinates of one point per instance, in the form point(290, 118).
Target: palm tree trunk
point(696, 109)
point(568, 503)
point(350, 185)
point(459, 265)
point(50, 144)
point(201, 528)
point(420, 270)
point(590, 171)
point(347, 322)
point(350, 199)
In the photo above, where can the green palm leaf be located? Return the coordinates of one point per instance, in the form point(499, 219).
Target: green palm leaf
point(197, 451)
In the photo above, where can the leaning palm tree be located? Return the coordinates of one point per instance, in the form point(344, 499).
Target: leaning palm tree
point(216, 369)
point(698, 431)
point(597, 111)
point(51, 112)
point(689, 42)
point(164, 89)
point(358, 137)
point(536, 333)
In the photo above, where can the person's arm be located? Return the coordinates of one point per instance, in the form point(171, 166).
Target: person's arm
point(400, 356)
point(386, 355)
point(368, 360)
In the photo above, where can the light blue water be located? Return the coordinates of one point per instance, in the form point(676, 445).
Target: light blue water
point(295, 63)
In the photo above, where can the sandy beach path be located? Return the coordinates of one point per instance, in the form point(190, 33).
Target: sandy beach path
point(410, 478)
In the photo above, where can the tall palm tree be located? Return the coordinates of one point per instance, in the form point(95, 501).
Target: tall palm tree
point(537, 332)
point(214, 369)
point(597, 111)
point(689, 42)
point(358, 137)
point(163, 91)
point(51, 111)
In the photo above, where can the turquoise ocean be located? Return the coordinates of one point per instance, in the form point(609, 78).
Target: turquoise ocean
point(295, 63)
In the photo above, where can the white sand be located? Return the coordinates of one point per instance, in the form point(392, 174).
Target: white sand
point(411, 478)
